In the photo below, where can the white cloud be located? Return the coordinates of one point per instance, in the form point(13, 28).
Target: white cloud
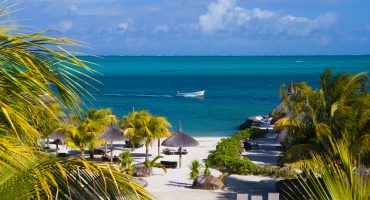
point(161, 29)
point(304, 26)
point(73, 8)
point(65, 26)
point(123, 26)
point(225, 15)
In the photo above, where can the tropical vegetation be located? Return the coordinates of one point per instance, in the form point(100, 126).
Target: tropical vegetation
point(195, 169)
point(85, 129)
point(126, 162)
point(339, 110)
point(326, 134)
point(327, 178)
point(153, 163)
point(34, 66)
point(227, 156)
point(143, 127)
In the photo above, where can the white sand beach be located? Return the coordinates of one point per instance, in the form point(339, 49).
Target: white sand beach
point(175, 184)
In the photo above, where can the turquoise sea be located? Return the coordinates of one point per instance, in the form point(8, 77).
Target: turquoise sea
point(236, 87)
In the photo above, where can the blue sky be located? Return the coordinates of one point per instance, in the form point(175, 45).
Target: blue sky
point(205, 27)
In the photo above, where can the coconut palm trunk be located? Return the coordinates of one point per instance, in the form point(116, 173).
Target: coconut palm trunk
point(146, 152)
point(82, 151)
point(159, 146)
point(91, 154)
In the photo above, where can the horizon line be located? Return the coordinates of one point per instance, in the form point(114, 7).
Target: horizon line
point(149, 55)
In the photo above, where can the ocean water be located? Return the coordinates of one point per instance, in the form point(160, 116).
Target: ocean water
point(236, 87)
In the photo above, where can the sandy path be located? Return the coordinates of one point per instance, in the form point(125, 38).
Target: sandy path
point(266, 154)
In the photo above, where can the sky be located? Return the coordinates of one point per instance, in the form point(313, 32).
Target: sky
point(204, 27)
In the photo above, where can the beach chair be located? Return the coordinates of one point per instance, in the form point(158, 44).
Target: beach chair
point(166, 151)
point(63, 155)
point(169, 164)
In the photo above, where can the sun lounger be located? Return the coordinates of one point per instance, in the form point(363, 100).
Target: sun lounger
point(63, 155)
point(168, 151)
point(169, 164)
point(107, 159)
point(183, 152)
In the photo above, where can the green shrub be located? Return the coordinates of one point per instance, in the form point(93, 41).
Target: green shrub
point(285, 172)
point(252, 133)
point(195, 168)
point(268, 170)
point(126, 162)
point(227, 157)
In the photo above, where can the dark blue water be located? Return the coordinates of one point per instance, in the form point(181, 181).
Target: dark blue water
point(236, 87)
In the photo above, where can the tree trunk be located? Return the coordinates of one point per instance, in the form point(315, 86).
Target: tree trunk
point(91, 154)
point(111, 152)
point(180, 155)
point(159, 146)
point(56, 152)
point(132, 145)
point(82, 154)
point(146, 152)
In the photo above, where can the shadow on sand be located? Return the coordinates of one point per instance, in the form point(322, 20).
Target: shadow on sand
point(179, 184)
point(237, 186)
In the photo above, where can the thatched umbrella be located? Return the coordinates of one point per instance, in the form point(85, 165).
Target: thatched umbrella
point(180, 139)
point(113, 133)
point(57, 135)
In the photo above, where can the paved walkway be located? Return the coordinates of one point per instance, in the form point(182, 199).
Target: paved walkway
point(266, 154)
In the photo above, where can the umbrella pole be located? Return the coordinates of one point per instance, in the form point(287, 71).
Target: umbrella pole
point(180, 154)
point(111, 152)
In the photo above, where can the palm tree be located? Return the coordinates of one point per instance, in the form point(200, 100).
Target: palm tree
point(195, 168)
point(333, 178)
point(159, 127)
point(313, 117)
point(126, 162)
point(84, 131)
point(141, 126)
point(152, 163)
point(33, 65)
point(136, 126)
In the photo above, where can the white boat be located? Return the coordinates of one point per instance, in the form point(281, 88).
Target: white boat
point(191, 94)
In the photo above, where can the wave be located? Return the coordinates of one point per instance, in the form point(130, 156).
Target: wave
point(136, 95)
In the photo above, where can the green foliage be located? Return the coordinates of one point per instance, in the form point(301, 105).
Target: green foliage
point(195, 168)
point(227, 158)
point(285, 172)
point(335, 178)
point(87, 128)
point(251, 133)
point(142, 126)
point(339, 109)
point(206, 170)
point(153, 163)
point(126, 162)
point(38, 79)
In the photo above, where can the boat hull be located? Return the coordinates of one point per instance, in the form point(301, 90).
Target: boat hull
point(191, 94)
